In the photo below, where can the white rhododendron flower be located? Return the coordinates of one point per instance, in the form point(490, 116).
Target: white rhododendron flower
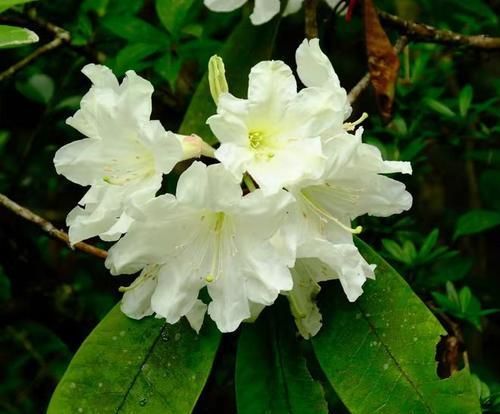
point(276, 134)
point(264, 10)
point(123, 157)
point(207, 235)
point(320, 227)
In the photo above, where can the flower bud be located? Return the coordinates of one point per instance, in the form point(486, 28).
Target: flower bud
point(217, 77)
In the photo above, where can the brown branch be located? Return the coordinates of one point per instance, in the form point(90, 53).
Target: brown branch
point(425, 33)
point(311, 20)
point(61, 37)
point(365, 80)
point(49, 227)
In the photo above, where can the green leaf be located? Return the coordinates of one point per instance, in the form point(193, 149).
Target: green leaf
point(5, 286)
point(246, 46)
point(132, 57)
point(173, 13)
point(271, 372)
point(130, 366)
point(7, 4)
point(38, 88)
point(169, 67)
point(135, 30)
point(476, 221)
point(465, 99)
point(439, 107)
point(11, 36)
point(428, 244)
point(378, 353)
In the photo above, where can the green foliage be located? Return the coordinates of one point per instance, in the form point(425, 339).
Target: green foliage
point(383, 346)
point(173, 14)
point(11, 36)
point(7, 4)
point(125, 366)
point(462, 305)
point(476, 221)
point(271, 373)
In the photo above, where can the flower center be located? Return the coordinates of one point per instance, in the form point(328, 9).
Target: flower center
point(261, 145)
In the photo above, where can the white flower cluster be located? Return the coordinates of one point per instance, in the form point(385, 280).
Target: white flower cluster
point(264, 10)
point(313, 172)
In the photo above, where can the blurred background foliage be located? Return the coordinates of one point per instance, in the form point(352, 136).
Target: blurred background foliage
point(446, 122)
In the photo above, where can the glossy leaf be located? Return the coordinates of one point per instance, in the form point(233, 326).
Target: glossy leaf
point(173, 13)
point(130, 366)
point(11, 36)
point(246, 46)
point(135, 30)
point(379, 352)
point(476, 221)
point(271, 372)
point(7, 4)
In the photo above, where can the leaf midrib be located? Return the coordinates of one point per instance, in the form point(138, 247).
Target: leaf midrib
point(398, 365)
point(136, 376)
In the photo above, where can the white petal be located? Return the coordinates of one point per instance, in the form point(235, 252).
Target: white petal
point(229, 129)
point(313, 66)
point(224, 5)
point(165, 146)
point(229, 306)
point(259, 216)
point(176, 292)
point(315, 112)
point(264, 11)
point(136, 301)
point(345, 261)
point(292, 6)
point(101, 76)
point(306, 157)
point(212, 187)
point(135, 96)
point(80, 161)
point(118, 228)
point(163, 227)
point(196, 315)
point(271, 86)
point(235, 158)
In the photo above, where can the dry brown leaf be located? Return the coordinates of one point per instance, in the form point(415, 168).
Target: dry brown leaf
point(383, 61)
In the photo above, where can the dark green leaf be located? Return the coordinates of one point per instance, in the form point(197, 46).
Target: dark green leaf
point(173, 13)
point(7, 4)
point(465, 99)
point(135, 30)
point(439, 107)
point(379, 352)
point(476, 221)
point(132, 57)
point(271, 373)
point(246, 46)
point(129, 366)
point(38, 88)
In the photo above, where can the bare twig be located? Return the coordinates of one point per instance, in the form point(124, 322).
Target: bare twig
point(310, 10)
point(61, 37)
point(425, 33)
point(49, 227)
point(365, 80)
